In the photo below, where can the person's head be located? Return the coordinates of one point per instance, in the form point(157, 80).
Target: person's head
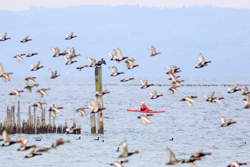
point(143, 102)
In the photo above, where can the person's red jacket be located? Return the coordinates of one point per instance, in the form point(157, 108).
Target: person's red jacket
point(144, 107)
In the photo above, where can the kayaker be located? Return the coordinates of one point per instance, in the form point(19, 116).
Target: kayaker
point(144, 107)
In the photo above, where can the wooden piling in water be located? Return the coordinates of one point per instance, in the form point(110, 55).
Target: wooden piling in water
point(38, 126)
point(34, 123)
point(18, 118)
point(13, 120)
point(92, 123)
point(99, 99)
point(74, 121)
point(65, 126)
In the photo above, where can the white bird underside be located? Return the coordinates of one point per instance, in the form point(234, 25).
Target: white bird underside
point(81, 112)
point(223, 120)
point(170, 155)
point(201, 59)
point(144, 83)
point(94, 106)
point(153, 94)
point(145, 119)
point(19, 58)
point(3, 37)
point(114, 70)
point(189, 103)
point(6, 136)
point(124, 148)
point(1, 69)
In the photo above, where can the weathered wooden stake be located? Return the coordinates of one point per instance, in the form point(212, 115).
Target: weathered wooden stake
point(34, 120)
point(50, 118)
point(92, 123)
point(74, 121)
point(99, 100)
point(18, 118)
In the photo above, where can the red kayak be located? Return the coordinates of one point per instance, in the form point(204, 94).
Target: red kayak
point(145, 111)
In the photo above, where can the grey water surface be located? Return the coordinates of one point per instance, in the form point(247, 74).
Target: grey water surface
point(193, 128)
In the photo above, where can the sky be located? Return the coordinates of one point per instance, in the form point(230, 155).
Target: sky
point(180, 31)
point(20, 5)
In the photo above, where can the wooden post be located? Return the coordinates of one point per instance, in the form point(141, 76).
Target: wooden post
point(65, 126)
point(99, 100)
point(38, 126)
point(13, 115)
point(43, 121)
point(8, 117)
point(24, 127)
point(74, 121)
point(50, 118)
point(54, 125)
point(59, 129)
point(34, 120)
point(29, 120)
point(18, 118)
point(14, 121)
point(92, 123)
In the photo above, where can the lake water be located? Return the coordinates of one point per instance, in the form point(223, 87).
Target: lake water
point(193, 128)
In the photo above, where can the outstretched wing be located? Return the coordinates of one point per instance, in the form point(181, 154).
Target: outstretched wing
point(248, 98)
point(94, 104)
point(70, 35)
point(153, 49)
point(201, 58)
point(189, 103)
point(211, 96)
point(50, 72)
point(235, 86)
point(37, 64)
point(89, 59)
point(26, 141)
point(123, 148)
point(53, 49)
point(142, 82)
point(4, 36)
point(154, 93)
point(223, 120)
point(145, 119)
point(32, 150)
point(170, 154)
point(6, 136)
point(26, 37)
point(119, 53)
point(1, 69)
point(113, 69)
point(150, 50)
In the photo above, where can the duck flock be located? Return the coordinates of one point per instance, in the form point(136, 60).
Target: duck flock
point(130, 64)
